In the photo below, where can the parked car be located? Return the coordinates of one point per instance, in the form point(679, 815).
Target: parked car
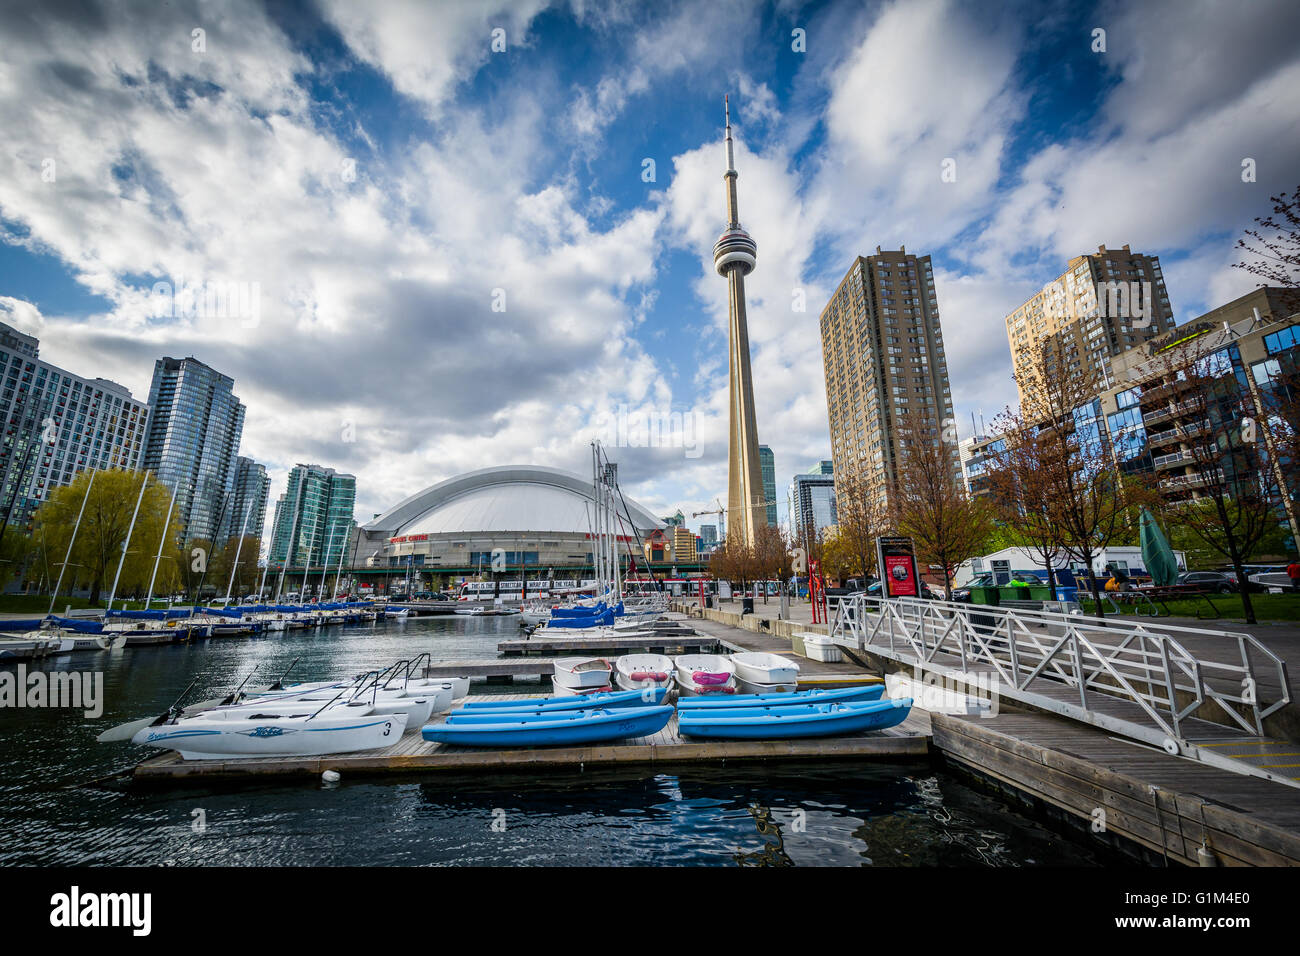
point(1212, 581)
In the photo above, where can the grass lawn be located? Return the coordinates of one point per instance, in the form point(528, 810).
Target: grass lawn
point(1268, 607)
point(38, 605)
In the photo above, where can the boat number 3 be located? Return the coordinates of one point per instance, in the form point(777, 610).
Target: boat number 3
point(388, 727)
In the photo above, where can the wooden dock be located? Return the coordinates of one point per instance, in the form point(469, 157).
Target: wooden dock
point(653, 643)
point(497, 670)
point(1116, 787)
point(413, 754)
point(1119, 791)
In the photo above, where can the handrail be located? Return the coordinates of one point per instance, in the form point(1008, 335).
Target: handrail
point(1118, 658)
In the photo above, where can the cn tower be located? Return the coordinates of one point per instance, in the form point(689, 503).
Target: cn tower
point(734, 256)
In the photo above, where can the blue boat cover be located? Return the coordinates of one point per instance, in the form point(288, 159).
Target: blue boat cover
point(80, 625)
point(579, 612)
point(26, 624)
point(603, 620)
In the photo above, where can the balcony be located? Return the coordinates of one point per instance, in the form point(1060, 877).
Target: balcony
point(1181, 408)
point(1181, 432)
point(1178, 457)
point(1187, 482)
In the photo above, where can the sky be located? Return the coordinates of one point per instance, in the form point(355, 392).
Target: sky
point(480, 233)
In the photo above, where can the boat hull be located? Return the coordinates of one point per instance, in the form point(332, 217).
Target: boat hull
point(765, 669)
point(605, 701)
point(866, 692)
point(567, 728)
point(581, 673)
point(638, 671)
point(237, 737)
point(750, 688)
point(688, 665)
point(810, 720)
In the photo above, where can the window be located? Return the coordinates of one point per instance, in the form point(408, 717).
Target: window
point(1282, 341)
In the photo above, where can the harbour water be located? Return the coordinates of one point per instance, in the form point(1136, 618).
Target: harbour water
point(860, 814)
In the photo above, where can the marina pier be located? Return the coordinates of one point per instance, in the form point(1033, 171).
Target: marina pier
point(1086, 776)
point(1099, 768)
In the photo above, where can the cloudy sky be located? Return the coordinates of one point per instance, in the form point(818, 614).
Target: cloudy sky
point(478, 230)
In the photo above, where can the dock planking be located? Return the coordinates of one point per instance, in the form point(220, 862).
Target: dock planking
point(413, 754)
point(1170, 805)
point(658, 643)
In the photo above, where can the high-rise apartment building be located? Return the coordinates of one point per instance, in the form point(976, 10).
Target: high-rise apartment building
point(247, 511)
point(195, 425)
point(56, 425)
point(1104, 304)
point(767, 463)
point(313, 518)
point(812, 504)
point(1156, 429)
point(886, 373)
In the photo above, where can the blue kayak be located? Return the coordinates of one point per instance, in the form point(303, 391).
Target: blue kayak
point(810, 720)
point(513, 716)
point(865, 692)
point(608, 699)
point(565, 727)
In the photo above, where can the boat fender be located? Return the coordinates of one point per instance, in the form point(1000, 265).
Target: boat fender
point(649, 675)
point(330, 776)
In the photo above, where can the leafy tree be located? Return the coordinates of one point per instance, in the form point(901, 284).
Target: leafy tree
point(929, 501)
point(850, 549)
point(105, 524)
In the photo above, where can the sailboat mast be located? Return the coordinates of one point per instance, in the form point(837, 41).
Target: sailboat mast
point(325, 562)
point(161, 539)
point(288, 547)
point(68, 557)
point(238, 547)
point(339, 570)
point(129, 531)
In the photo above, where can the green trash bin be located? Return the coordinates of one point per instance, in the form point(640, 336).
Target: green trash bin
point(985, 595)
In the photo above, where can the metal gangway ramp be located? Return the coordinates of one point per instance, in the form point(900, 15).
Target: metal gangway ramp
point(1185, 690)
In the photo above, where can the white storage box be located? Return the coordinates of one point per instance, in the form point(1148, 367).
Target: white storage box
point(819, 647)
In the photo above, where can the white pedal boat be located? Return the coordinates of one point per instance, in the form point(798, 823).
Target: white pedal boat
point(702, 674)
point(417, 710)
point(439, 697)
point(756, 667)
point(639, 671)
point(226, 734)
point(426, 685)
point(581, 674)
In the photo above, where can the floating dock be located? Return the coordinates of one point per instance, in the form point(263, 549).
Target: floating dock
point(655, 642)
point(413, 754)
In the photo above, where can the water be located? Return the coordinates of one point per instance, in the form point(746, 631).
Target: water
point(845, 814)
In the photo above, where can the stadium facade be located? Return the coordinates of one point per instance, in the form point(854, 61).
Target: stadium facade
point(520, 516)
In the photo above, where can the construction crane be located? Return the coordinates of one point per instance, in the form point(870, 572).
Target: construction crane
point(721, 512)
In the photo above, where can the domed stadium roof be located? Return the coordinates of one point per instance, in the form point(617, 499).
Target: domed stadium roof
point(505, 499)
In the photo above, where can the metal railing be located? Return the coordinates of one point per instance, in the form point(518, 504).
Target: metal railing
point(1118, 659)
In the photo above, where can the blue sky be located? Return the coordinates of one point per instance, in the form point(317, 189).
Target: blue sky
point(385, 178)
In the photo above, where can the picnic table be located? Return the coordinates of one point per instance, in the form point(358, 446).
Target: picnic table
point(1150, 601)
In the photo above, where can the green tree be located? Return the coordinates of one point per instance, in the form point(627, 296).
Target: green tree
point(104, 529)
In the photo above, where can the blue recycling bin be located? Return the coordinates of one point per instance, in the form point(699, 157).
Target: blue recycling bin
point(1067, 594)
